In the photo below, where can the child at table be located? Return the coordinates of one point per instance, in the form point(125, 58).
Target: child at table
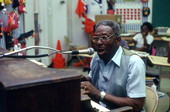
point(144, 39)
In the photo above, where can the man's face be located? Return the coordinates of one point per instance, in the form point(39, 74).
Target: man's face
point(105, 42)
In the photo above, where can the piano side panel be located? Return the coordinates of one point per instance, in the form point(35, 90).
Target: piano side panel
point(56, 97)
point(28, 87)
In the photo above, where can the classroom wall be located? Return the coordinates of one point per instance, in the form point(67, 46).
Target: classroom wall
point(52, 23)
point(75, 32)
point(75, 27)
point(29, 21)
point(56, 20)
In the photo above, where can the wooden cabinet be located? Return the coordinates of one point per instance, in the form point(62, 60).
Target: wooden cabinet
point(28, 87)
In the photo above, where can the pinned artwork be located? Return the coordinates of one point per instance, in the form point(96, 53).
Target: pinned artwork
point(110, 4)
point(87, 9)
point(1, 4)
point(146, 11)
point(21, 7)
point(131, 12)
point(12, 21)
point(93, 7)
point(144, 1)
point(7, 2)
point(15, 3)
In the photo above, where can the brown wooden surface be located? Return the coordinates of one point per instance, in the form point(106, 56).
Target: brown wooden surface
point(156, 37)
point(17, 73)
point(158, 60)
point(85, 104)
point(116, 18)
point(28, 87)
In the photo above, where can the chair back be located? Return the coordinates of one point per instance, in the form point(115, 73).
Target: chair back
point(72, 45)
point(151, 101)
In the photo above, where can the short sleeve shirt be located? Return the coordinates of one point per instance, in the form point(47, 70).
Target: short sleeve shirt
point(134, 84)
point(140, 41)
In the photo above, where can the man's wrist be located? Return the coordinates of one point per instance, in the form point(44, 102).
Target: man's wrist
point(102, 95)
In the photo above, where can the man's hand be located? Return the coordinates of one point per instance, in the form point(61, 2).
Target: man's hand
point(89, 89)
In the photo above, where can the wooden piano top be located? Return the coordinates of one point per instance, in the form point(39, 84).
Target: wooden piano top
point(17, 73)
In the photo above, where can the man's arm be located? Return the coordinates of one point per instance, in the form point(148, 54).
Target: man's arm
point(136, 103)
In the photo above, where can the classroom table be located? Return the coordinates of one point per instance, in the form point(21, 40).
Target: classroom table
point(156, 37)
point(158, 60)
point(161, 62)
point(139, 53)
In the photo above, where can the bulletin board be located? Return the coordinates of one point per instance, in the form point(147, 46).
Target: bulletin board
point(131, 12)
point(161, 13)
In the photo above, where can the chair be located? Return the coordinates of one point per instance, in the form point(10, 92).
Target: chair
point(151, 49)
point(151, 100)
point(74, 47)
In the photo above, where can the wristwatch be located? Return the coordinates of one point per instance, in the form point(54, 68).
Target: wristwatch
point(102, 95)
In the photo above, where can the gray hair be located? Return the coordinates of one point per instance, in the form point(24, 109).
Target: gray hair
point(115, 26)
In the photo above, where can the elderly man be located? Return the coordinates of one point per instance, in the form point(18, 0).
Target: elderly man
point(117, 77)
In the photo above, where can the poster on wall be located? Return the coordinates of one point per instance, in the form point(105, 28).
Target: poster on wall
point(131, 12)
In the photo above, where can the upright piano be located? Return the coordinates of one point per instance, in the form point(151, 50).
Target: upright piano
point(28, 87)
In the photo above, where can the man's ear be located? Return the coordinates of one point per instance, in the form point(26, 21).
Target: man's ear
point(118, 40)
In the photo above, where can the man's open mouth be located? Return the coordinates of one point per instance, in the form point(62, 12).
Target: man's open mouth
point(101, 51)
